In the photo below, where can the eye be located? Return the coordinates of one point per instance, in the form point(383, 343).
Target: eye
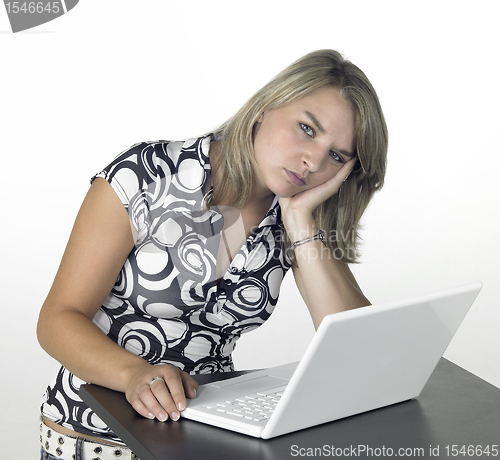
point(307, 129)
point(336, 156)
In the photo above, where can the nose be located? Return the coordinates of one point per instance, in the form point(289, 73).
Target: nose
point(313, 158)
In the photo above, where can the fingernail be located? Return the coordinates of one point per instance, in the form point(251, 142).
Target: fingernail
point(174, 416)
point(181, 406)
point(151, 416)
point(162, 417)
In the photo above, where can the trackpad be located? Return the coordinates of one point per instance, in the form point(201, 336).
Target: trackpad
point(252, 386)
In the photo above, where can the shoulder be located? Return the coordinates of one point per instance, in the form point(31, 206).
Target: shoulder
point(152, 159)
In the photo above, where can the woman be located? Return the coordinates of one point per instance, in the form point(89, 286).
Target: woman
point(145, 297)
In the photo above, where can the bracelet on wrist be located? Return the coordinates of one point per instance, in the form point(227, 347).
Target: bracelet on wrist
point(319, 236)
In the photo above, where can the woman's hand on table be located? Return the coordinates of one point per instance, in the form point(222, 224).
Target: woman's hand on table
point(165, 396)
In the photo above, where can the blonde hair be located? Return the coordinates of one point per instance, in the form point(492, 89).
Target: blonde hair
point(340, 215)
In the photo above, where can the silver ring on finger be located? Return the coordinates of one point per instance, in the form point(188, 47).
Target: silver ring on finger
point(154, 379)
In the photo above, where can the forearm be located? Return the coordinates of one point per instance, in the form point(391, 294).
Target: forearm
point(325, 283)
point(78, 344)
point(98, 247)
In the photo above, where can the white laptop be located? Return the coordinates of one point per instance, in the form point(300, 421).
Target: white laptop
point(357, 361)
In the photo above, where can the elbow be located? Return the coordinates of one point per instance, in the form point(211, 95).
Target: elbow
point(358, 299)
point(45, 328)
point(364, 302)
point(41, 331)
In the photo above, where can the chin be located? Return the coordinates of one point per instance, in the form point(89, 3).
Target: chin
point(285, 193)
point(284, 190)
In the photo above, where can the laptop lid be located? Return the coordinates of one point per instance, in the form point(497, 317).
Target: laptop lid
point(370, 357)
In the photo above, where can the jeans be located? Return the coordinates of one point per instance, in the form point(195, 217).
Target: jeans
point(45, 456)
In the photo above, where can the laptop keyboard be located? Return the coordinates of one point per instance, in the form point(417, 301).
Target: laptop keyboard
point(257, 406)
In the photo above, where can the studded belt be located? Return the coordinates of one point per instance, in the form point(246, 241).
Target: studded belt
point(66, 447)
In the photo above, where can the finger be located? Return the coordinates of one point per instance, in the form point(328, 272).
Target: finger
point(322, 192)
point(333, 185)
point(190, 385)
point(141, 408)
point(176, 388)
point(158, 401)
point(346, 169)
point(164, 391)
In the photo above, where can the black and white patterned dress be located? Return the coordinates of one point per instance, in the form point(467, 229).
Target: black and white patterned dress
point(166, 305)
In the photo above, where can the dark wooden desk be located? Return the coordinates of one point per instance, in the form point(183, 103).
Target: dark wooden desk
point(456, 408)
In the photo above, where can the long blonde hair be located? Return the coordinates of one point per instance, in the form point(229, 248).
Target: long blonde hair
point(340, 215)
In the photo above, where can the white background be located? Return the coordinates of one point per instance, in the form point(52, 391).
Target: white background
point(77, 91)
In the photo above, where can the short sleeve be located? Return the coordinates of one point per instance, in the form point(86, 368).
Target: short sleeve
point(138, 176)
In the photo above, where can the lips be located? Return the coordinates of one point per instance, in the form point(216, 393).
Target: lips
point(295, 178)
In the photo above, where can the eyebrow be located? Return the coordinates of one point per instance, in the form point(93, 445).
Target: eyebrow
point(320, 128)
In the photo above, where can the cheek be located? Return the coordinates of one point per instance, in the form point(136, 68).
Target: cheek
point(326, 175)
point(273, 136)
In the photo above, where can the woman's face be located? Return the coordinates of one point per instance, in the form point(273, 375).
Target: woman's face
point(303, 143)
